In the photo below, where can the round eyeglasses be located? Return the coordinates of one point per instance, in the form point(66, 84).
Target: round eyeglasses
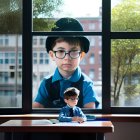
point(73, 99)
point(62, 53)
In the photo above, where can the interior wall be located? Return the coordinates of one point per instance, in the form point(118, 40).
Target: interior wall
point(1, 136)
point(124, 131)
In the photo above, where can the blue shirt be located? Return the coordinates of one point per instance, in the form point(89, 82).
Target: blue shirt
point(89, 94)
point(64, 115)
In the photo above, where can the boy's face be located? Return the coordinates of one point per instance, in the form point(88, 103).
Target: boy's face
point(72, 101)
point(66, 64)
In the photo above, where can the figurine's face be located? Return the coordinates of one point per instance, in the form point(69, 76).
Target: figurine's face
point(72, 101)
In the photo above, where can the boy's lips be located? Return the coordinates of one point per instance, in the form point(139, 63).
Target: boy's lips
point(67, 65)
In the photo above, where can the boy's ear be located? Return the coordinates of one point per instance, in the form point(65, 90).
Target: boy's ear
point(65, 100)
point(82, 55)
point(51, 54)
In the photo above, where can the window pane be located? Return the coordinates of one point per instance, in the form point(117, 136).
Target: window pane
point(10, 53)
point(47, 66)
point(125, 15)
point(44, 13)
point(125, 72)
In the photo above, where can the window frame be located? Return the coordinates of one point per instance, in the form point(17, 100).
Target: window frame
point(106, 35)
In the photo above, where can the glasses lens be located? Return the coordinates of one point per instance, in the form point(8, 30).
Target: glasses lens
point(74, 54)
point(73, 99)
point(60, 54)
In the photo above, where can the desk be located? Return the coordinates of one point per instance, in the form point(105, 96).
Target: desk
point(98, 128)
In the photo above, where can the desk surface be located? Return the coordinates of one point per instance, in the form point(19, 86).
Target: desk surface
point(44, 126)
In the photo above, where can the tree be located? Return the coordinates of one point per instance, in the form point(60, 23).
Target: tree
point(10, 16)
point(125, 52)
point(45, 8)
point(42, 11)
point(126, 16)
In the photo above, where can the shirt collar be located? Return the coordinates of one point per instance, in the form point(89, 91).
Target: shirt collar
point(70, 107)
point(74, 78)
point(57, 76)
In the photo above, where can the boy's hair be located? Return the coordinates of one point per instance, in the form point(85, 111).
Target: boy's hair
point(71, 91)
point(70, 40)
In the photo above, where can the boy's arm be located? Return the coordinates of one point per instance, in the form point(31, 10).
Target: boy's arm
point(81, 115)
point(63, 117)
point(90, 105)
point(37, 105)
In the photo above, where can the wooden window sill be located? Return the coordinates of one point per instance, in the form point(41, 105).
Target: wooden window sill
point(111, 117)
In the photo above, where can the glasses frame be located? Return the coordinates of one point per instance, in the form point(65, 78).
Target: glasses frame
point(67, 52)
point(73, 99)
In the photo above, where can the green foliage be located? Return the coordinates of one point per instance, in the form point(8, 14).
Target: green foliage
point(43, 11)
point(125, 53)
point(41, 24)
point(130, 89)
point(126, 16)
point(125, 56)
point(45, 7)
point(10, 17)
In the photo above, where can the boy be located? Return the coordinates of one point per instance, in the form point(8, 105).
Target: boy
point(67, 52)
point(71, 112)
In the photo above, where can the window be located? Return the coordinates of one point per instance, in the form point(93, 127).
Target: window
point(125, 72)
point(92, 59)
point(91, 74)
point(113, 37)
point(100, 74)
point(10, 36)
point(41, 55)
point(1, 42)
point(92, 41)
point(89, 22)
point(34, 55)
point(42, 41)
point(35, 41)
point(125, 54)
point(6, 41)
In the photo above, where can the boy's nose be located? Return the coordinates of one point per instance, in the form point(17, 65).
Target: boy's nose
point(67, 56)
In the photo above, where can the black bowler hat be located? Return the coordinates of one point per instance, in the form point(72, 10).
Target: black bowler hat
point(67, 24)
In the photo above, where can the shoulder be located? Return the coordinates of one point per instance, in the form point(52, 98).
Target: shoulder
point(45, 80)
point(64, 108)
point(86, 78)
point(48, 77)
point(77, 108)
